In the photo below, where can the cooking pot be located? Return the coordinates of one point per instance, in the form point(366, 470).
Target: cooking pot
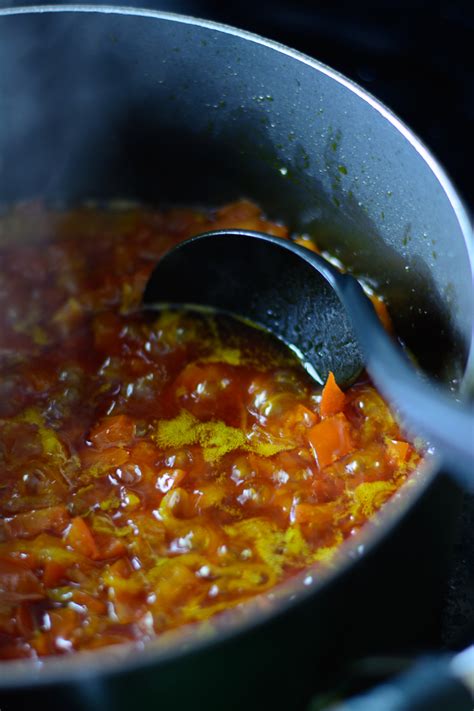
point(102, 103)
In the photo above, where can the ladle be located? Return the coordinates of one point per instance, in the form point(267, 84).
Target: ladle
point(324, 315)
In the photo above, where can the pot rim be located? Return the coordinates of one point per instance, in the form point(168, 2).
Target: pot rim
point(85, 666)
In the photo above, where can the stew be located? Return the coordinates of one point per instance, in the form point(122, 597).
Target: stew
point(159, 468)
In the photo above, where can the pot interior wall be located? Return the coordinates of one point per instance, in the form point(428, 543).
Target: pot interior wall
point(105, 106)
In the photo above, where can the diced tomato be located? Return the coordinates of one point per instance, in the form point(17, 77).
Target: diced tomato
point(318, 517)
point(79, 537)
point(331, 439)
point(17, 583)
point(53, 573)
point(26, 560)
point(263, 466)
point(109, 547)
point(111, 457)
point(332, 399)
point(306, 513)
point(397, 450)
point(113, 431)
point(27, 525)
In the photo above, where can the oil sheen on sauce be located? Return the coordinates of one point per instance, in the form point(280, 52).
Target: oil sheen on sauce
point(158, 469)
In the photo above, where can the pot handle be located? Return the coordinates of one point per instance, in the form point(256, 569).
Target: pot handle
point(432, 684)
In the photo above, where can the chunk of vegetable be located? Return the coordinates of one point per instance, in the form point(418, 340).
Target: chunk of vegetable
point(331, 439)
point(332, 399)
point(79, 537)
point(30, 524)
point(113, 431)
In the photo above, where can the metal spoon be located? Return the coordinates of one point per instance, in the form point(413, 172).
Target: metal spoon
point(324, 315)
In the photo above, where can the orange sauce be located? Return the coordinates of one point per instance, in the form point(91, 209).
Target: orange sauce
point(158, 469)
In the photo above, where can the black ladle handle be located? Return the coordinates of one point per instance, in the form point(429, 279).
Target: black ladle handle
point(446, 423)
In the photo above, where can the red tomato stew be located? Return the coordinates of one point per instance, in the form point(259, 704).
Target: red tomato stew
point(158, 469)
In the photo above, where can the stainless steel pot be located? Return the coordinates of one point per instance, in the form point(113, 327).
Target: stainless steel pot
point(108, 102)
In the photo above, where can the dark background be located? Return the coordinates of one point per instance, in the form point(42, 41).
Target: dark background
point(418, 58)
